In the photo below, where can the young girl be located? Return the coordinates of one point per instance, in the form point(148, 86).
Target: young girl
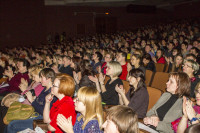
point(90, 116)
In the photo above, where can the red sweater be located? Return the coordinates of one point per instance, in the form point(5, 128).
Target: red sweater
point(124, 72)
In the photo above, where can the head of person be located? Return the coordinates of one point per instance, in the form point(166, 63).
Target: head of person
point(190, 67)
point(146, 58)
point(136, 60)
point(121, 57)
point(175, 51)
point(159, 53)
point(193, 129)
point(197, 93)
point(63, 85)
point(178, 59)
point(108, 57)
point(170, 46)
point(191, 57)
point(184, 45)
point(147, 48)
point(179, 83)
point(88, 103)
point(97, 56)
point(75, 64)
point(121, 119)
point(113, 69)
point(67, 60)
point(49, 58)
point(194, 51)
point(136, 79)
point(22, 65)
point(35, 73)
point(47, 76)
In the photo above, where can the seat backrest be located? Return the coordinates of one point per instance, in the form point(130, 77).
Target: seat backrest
point(148, 77)
point(154, 95)
point(126, 85)
point(159, 67)
point(159, 80)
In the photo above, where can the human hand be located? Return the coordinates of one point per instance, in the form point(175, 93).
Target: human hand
point(49, 98)
point(155, 121)
point(65, 124)
point(129, 67)
point(184, 106)
point(101, 77)
point(25, 82)
point(189, 110)
point(147, 120)
point(154, 59)
point(120, 89)
point(93, 78)
point(76, 78)
point(22, 87)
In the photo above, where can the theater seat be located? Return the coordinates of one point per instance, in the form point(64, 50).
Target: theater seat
point(159, 67)
point(159, 80)
point(154, 95)
point(126, 85)
point(148, 77)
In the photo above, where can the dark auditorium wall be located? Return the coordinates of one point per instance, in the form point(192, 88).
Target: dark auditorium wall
point(25, 22)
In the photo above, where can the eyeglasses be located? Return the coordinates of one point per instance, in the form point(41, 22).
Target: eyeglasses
point(55, 86)
point(196, 92)
point(186, 65)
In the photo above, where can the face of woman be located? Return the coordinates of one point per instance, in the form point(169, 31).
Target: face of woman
point(132, 80)
point(187, 68)
point(36, 78)
point(197, 93)
point(55, 88)
point(174, 53)
point(109, 127)
point(79, 106)
point(179, 60)
point(172, 85)
point(134, 61)
point(107, 58)
point(109, 71)
point(159, 53)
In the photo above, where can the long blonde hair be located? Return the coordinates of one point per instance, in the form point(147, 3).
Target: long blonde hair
point(92, 100)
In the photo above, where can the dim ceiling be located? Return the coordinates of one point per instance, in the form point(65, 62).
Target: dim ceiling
point(117, 3)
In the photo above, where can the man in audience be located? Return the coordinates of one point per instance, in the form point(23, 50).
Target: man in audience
point(66, 66)
point(96, 64)
point(121, 58)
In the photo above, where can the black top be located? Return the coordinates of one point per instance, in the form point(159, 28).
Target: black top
point(110, 96)
point(67, 70)
point(139, 101)
point(162, 110)
point(1, 72)
point(151, 66)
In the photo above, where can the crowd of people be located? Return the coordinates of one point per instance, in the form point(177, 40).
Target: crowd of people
point(65, 81)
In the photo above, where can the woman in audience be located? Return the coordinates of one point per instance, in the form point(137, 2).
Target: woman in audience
point(169, 107)
point(34, 89)
point(159, 57)
point(191, 113)
point(121, 119)
point(63, 89)
point(47, 76)
point(90, 116)
point(108, 57)
point(3, 64)
point(107, 91)
point(190, 67)
point(75, 64)
point(137, 97)
point(136, 62)
point(176, 66)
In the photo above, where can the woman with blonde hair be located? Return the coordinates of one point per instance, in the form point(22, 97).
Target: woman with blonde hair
point(121, 119)
point(107, 91)
point(90, 118)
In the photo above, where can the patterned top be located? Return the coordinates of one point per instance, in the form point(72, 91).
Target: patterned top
point(176, 122)
point(91, 127)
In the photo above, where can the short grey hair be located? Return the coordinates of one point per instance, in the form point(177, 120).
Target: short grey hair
point(195, 65)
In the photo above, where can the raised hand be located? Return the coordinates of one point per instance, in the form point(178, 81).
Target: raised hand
point(189, 109)
point(49, 98)
point(101, 78)
point(120, 89)
point(65, 124)
point(93, 78)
